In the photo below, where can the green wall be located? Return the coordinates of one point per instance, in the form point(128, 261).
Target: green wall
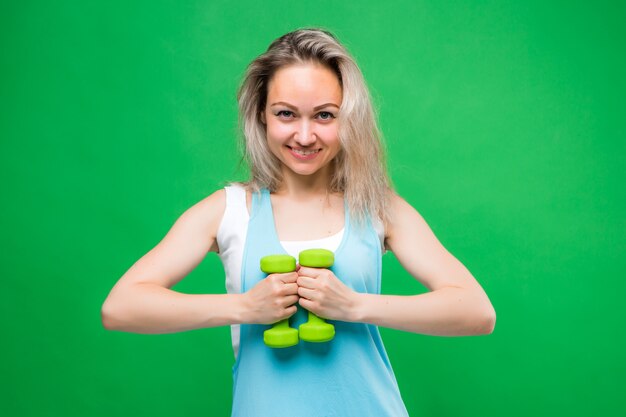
point(505, 127)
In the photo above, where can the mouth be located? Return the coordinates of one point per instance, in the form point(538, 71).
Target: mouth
point(304, 154)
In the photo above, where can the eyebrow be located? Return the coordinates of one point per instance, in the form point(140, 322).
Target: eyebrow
point(314, 108)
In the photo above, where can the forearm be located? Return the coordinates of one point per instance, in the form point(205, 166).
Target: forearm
point(152, 309)
point(449, 311)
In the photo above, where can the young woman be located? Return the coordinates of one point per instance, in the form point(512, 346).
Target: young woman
point(318, 180)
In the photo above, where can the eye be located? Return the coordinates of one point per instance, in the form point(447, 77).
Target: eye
point(326, 115)
point(287, 113)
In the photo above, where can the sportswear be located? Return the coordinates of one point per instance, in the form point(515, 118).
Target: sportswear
point(349, 376)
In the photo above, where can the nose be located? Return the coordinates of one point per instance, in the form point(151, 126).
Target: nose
point(304, 135)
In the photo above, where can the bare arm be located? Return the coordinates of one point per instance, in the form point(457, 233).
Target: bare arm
point(142, 301)
point(456, 304)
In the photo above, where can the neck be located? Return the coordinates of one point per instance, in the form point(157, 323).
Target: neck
point(303, 186)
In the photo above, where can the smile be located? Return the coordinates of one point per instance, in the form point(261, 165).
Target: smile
point(303, 152)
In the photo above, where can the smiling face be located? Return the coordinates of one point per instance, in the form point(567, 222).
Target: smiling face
point(301, 118)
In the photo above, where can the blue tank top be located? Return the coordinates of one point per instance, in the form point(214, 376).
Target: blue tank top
point(348, 376)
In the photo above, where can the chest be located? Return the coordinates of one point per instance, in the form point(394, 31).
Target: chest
point(308, 220)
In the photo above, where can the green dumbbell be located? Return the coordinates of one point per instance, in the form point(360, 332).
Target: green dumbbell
point(280, 335)
point(316, 329)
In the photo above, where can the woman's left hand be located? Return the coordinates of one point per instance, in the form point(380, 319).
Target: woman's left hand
point(323, 294)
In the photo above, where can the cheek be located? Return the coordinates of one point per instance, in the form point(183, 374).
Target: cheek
point(278, 130)
point(330, 131)
point(330, 135)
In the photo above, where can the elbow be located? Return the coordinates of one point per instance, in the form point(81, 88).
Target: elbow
point(107, 316)
point(114, 313)
point(487, 321)
point(483, 316)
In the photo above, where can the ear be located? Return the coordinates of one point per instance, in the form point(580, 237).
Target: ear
point(262, 114)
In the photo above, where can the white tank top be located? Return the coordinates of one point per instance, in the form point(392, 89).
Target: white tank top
point(231, 238)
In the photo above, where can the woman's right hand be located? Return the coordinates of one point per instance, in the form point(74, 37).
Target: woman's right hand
point(272, 299)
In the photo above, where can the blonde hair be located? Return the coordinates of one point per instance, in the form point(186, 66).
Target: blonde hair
point(359, 170)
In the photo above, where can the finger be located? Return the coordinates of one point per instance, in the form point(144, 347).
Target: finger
point(307, 282)
point(290, 311)
point(290, 289)
point(307, 304)
point(310, 272)
point(288, 277)
point(306, 293)
point(290, 300)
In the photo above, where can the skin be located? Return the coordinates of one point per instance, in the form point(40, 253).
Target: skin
point(142, 300)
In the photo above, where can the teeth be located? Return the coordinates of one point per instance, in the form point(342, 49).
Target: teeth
point(303, 152)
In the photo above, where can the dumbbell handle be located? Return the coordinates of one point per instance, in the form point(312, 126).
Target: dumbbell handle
point(280, 335)
point(316, 329)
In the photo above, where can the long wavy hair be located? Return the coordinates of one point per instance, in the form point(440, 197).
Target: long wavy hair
point(359, 169)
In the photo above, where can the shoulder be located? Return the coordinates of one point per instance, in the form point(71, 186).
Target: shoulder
point(398, 205)
point(239, 195)
point(400, 216)
point(206, 215)
point(215, 204)
point(394, 206)
point(212, 205)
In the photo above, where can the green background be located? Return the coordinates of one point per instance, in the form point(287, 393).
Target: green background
point(505, 128)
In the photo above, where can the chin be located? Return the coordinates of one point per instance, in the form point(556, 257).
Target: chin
point(304, 172)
